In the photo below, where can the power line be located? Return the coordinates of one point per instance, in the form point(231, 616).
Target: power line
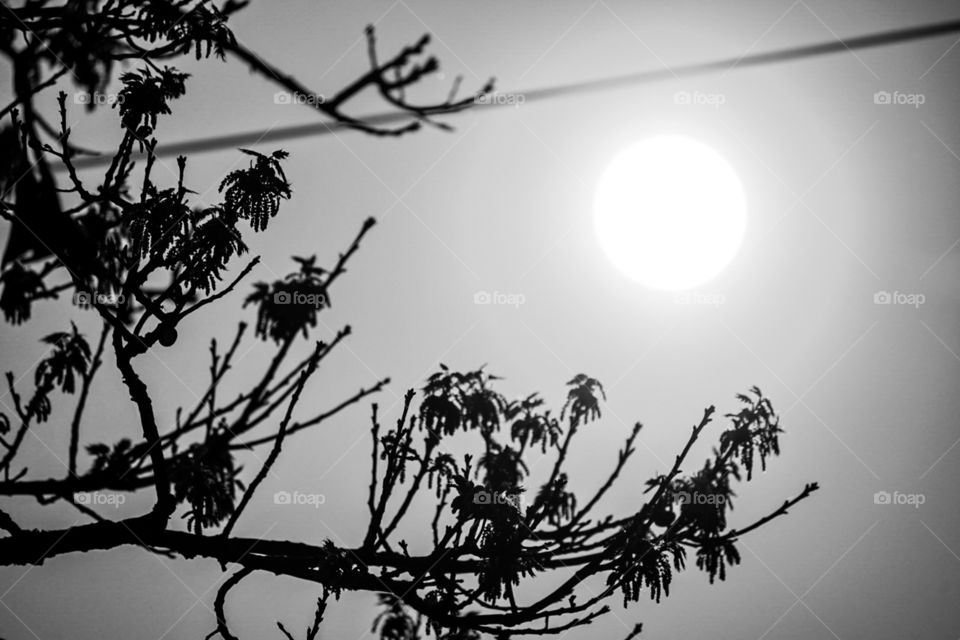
point(545, 93)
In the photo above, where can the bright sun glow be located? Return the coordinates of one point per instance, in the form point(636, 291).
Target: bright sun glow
point(670, 212)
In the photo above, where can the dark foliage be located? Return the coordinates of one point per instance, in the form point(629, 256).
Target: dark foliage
point(146, 96)
point(205, 477)
point(254, 193)
point(290, 306)
point(137, 255)
point(68, 358)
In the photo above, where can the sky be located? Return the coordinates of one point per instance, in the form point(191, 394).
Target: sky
point(846, 199)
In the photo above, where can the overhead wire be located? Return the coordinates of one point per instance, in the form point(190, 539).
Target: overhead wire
point(885, 38)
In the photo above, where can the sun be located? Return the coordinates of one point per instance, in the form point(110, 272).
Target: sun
point(670, 212)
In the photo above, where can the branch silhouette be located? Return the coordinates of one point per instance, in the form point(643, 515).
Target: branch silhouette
point(497, 530)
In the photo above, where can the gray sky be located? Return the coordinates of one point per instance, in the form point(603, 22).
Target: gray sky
point(846, 198)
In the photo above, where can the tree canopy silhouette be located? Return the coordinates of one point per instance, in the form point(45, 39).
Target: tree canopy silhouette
point(107, 245)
